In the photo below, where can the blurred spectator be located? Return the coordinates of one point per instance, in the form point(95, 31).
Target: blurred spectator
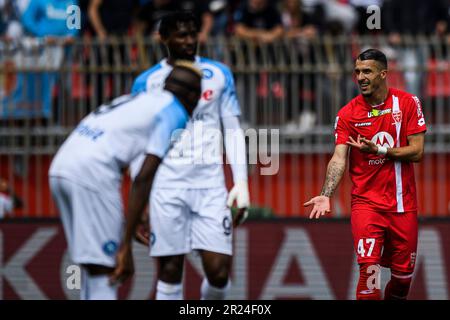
point(220, 9)
point(111, 17)
point(45, 22)
point(201, 10)
point(258, 21)
point(295, 22)
point(337, 16)
point(361, 9)
point(299, 26)
point(150, 13)
point(111, 20)
point(43, 18)
point(8, 200)
point(340, 16)
point(10, 25)
point(417, 18)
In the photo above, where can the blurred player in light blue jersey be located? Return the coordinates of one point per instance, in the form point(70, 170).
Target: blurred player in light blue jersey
point(86, 174)
point(189, 204)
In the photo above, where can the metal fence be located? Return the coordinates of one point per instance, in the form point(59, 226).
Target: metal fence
point(294, 86)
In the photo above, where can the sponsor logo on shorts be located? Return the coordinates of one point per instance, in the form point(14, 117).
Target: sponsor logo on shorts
point(152, 238)
point(226, 223)
point(110, 247)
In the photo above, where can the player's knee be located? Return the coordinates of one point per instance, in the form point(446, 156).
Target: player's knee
point(369, 282)
point(219, 278)
point(171, 269)
point(398, 286)
point(218, 274)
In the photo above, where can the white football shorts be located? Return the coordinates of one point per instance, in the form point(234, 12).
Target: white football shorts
point(93, 221)
point(182, 220)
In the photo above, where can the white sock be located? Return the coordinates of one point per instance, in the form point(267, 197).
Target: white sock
point(168, 291)
point(210, 292)
point(97, 288)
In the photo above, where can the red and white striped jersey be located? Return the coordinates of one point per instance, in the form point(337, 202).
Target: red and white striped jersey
point(379, 182)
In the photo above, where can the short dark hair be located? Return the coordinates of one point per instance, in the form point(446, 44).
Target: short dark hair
point(170, 21)
point(374, 54)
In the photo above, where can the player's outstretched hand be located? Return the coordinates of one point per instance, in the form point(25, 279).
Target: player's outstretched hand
point(321, 206)
point(363, 144)
point(124, 265)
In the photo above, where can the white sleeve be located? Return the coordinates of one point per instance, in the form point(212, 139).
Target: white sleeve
point(235, 148)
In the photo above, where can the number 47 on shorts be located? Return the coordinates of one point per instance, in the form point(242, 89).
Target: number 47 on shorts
point(369, 242)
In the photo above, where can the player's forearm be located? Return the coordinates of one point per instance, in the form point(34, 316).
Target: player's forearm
point(407, 153)
point(335, 171)
point(94, 16)
point(138, 199)
point(235, 148)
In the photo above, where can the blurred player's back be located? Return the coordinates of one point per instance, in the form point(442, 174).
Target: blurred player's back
point(110, 137)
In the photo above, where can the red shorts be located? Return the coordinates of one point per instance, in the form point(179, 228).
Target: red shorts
point(388, 239)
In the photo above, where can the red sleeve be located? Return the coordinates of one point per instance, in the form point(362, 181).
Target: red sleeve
point(341, 132)
point(414, 116)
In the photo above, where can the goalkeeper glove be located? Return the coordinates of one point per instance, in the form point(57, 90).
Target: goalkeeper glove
point(241, 195)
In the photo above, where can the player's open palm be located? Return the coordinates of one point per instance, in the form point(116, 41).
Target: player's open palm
point(363, 144)
point(321, 205)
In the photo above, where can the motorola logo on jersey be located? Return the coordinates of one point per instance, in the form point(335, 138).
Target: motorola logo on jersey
point(383, 139)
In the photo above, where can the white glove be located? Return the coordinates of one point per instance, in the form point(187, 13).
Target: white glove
point(240, 193)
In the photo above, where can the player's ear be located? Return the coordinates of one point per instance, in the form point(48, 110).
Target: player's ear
point(383, 74)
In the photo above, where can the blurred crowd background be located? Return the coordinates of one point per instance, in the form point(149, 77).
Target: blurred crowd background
point(293, 67)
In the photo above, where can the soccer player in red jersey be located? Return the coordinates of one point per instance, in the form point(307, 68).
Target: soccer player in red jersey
point(383, 131)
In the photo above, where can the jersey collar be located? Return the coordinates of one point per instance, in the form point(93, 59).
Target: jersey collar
point(379, 106)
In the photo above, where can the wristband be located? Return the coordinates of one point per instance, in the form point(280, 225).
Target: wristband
point(381, 151)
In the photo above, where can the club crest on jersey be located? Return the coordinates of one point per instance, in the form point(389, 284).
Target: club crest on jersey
point(378, 113)
point(207, 74)
point(397, 116)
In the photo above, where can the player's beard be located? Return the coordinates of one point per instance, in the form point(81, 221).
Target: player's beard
point(367, 91)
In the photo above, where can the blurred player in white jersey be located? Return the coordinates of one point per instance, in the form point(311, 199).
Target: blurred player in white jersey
point(86, 174)
point(189, 208)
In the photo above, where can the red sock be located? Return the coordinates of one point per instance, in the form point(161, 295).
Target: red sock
point(398, 287)
point(363, 292)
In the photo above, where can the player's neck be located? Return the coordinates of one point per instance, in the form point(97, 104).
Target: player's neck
point(378, 98)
